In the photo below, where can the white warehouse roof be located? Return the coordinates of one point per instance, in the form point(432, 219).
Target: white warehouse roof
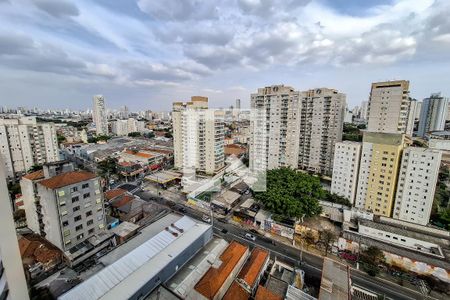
point(128, 274)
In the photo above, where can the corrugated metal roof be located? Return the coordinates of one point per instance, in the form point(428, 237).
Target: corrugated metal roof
point(105, 280)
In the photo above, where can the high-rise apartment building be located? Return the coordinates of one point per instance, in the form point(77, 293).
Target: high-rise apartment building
point(347, 156)
point(390, 108)
point(417, 184)
point(24, 143)
point(433, 114)
point(12, 278)
point(99, 116)
point(418, 110)
point(64, 206)
point(238, 104)
point(296, 129)
point(364, 110)
point(275, 134)
point(321, 125)
point(198, 136)
point(379, 169)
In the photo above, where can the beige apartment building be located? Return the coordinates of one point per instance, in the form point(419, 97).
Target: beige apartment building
point(99, 116)
point(390, 108)
point(198, 136)
point(379, 168)
point(24, 143)
point(321, 126)
point(274, 128)
point(295, 129)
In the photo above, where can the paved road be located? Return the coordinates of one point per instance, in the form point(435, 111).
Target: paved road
point(311, 264)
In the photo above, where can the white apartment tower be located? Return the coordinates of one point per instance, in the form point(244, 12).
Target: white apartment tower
point(433, 114)
point(275, 134)
point(347, 156)
point(321, 125)
point(198, 136)
point(417, 184)
point(64, 206)
point(24, 142)
point(99, 116)
point(390, 108)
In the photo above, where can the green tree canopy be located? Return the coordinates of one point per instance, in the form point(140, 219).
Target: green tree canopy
point(371, 258)
point(291, 194)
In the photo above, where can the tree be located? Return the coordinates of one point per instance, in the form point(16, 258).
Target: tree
point(61, 138)
point(168, 135)
point(327, 238)
point(35, 168)
point(134, 134)
point(371, 258)
point(291, 194)
point(149, 135)
point(334, 198)
point(19, 215)
point(107, 167)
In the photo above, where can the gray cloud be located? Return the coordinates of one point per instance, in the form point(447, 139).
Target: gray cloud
point(57, 8)
point(179, 10)
point(14, 44)
point(264, 8)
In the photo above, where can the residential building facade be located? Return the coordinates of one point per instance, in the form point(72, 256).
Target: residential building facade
point(377, 179)
point(417, 184)
point(344, 182)
point(24, 143)
point(433, 114)
point(99, 116)
point(321, 126)
point(390, 108)
point(64, 206)
point(198, 134)
point(274, 137)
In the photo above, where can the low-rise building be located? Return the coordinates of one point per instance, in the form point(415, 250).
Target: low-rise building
point(145, 158)
point(335, 283)
point(139, 268)
point(252, 271)
point(218, 279)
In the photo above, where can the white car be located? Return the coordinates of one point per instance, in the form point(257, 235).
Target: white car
point(206, 219)
point(250, 237)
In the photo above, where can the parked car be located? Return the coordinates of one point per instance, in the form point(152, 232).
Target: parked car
point(182, 209)
point(250, 237)
point(206, 219)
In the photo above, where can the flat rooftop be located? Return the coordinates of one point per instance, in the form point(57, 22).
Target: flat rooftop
point(130, 273)
point(335, 281)
point(188, 276)
point(163, 177)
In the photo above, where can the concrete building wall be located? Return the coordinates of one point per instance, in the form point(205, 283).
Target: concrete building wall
point(433, 115)
point(417, 184)
point(381, 158)
point(29, 191)
point(321, 125)
point(25, 143)
point(347, 156)
point(390, 108)
point(99, 116)
point(275, 133)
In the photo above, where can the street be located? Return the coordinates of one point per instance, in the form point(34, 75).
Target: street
point(311, 264)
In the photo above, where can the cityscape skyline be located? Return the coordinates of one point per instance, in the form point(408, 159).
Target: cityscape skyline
point(153, 60)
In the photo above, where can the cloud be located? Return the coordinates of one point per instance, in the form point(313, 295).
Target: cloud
point(263, 8)
point(178, 10)
point(57, 8)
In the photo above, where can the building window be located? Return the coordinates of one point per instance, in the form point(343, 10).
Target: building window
point(75, 199)
point(65, 223)
point(61, 193)
point(89, 213)
point(80, 236)
point(74, 189)
point(85, 185)
point(79, 227)
point(87, 195)
point(91, 231)
point(66, 232)
point(77, 218)
point(89, 222)
point(76, 208)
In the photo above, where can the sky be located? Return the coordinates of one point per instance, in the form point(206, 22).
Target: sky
point(148, 53)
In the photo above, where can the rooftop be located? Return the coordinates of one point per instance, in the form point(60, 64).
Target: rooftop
point(111, 194)
point(264, 294)
point(124, 229)
point(335, 281)
point(236, 292)
point(140, 154)
point(214, 278)
point(66, 179)
point(185, 279)
point(127, 275)
point(254, 266)
point(35, 175)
